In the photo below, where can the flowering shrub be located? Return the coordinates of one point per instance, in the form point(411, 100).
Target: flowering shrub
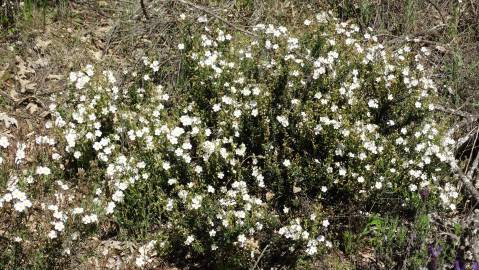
point(246, 158)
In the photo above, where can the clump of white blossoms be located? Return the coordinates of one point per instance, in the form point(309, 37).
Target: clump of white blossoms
point(247, 148)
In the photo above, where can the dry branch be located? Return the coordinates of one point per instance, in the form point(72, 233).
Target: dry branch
point(456, 112)
point(143, 9)
point(465, 180)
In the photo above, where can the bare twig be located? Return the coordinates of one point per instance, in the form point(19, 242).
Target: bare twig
point(259, 257)
point(5, 95)
point(456, 112)
point(465, 140)
point(434, 5)
point(470, 173)
point(206, 10)
point(465, 180)
point(467, 170)
point(143, 8)
point(410, 243)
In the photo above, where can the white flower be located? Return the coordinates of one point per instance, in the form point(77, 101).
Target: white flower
point(325, 223)
point(41, 170)
point(216, 107)
point(19, 195)
point(166, 166)
point(52, 234)
point(177, 131)
point(237, 113)
point(181, 46)
point(189, 240)
point(56, 156)
point(283, 120)
point(90, 219)
point(373, 103)
point(59, 226)
point(118, 196)
point(140, 262)
point(110, 208)
point(196, 202)
point(202, 19)
point(287, 163)
point(77, 210)
point(21, 206)
point(186, 120)
point(89, 70)
point(169, 205)
point(77, 154)
point(4, 142)
point(20, 154)
point(241, 238)
point(73, 77)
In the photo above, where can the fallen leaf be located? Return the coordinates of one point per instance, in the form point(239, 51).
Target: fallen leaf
point(43, 44)
point(441, 48)
point(23, 69)
point(54, 77)
point(25, 85)
point(41, 62)
point(2, 70)
point(96, 54)
point(7, 120)
point(32, 108)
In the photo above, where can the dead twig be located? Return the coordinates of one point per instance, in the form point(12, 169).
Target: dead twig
point(467, 170)
point(475, 163)
point(456, 112)
point(143, 9)
point(259, 257)
point(434, 5)
point(465, 180)
point(8, 97)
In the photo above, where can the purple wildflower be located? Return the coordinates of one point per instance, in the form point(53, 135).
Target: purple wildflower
point(433, 254)
point(459, 264)
point(424, 193)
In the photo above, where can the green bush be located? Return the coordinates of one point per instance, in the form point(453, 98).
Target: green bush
point(253, 153)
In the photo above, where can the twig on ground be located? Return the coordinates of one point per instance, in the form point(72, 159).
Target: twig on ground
point(8, 97)
point(109, 38)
